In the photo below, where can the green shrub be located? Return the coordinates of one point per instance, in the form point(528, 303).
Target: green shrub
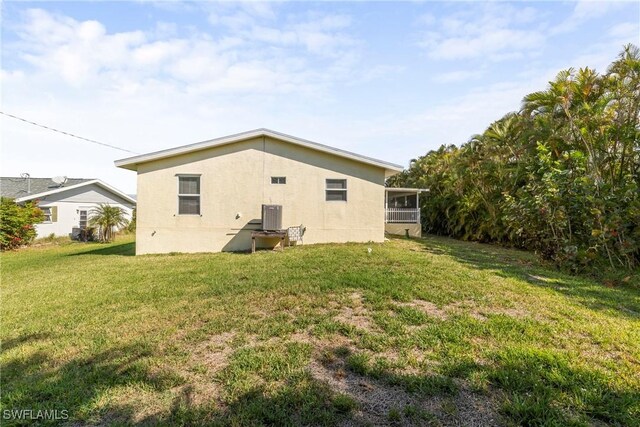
point(17, 223)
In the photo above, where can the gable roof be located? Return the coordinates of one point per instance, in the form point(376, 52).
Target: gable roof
point(15, 187)
point(131, 163)
point(18, 187)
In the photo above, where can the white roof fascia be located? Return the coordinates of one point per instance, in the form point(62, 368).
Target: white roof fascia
point(407, 190)
point(82, 184)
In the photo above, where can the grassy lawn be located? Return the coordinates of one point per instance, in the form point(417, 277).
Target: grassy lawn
point(430, 332)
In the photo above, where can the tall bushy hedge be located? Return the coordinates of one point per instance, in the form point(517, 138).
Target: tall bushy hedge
point(561, 176)
point(17, 223)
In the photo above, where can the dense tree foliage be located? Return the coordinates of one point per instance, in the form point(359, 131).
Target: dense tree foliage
point(17, 223)
point(561, 176)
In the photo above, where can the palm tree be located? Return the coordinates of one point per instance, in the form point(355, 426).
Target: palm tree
point(107, 218)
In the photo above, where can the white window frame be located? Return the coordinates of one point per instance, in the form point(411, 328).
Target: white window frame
point(199, 195)
point(80, 210)
point(343, 190)
point(278, 180)
point(44, 210)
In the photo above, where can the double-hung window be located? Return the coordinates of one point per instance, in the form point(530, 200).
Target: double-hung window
point(46, 211)
point(336, 190)
point(188, 195)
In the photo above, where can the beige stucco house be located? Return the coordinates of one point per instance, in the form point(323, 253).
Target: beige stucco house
point(207, 197)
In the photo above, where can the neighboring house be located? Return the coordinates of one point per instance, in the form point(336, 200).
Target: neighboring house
point(207, 197)
point(67, 203)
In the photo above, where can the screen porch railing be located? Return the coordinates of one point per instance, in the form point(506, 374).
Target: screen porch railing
point(403, 215)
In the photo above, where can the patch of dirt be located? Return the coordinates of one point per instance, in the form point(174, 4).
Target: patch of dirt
point(427, 307)
point(304, 337)
point(473, 409)
point(477, 316)
point(207, 359)
point(355, 314)
point(411, 361)
point(468, 307)
point(374, 400)
point(377, 398)
point(333, 301)
point(195, 394)
point(130, 407)
point(215, 351)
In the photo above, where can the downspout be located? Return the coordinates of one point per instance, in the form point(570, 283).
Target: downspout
point(386, 204)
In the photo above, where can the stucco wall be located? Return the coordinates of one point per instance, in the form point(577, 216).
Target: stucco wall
point(236, 181)
point(69, 203)
point(415, 230)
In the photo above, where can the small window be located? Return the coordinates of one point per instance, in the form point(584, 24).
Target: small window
point(46, 211)
point(336, 190)
point(188, 195)
point(278, 179)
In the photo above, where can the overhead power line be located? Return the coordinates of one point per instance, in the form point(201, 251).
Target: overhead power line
point(67, 133)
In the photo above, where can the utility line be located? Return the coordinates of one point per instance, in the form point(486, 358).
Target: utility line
point(67, 133)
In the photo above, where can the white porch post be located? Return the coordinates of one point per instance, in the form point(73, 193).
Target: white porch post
point(418, 206)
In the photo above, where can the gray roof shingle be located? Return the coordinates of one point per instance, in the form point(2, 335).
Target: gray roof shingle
point(15, 187)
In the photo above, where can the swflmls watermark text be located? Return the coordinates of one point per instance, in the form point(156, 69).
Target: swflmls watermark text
point(35, 414)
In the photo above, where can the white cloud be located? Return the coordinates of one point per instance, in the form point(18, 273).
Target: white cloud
point(154, 53)
point(627, 31)
point(256, 57)
point(490, 43)
point(489, 31)
point(318, 34)
point(238, 15)
point(76, 51)
point(458, 76)
point(584, 11)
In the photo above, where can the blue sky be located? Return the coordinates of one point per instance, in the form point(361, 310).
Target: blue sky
point(390, 80)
